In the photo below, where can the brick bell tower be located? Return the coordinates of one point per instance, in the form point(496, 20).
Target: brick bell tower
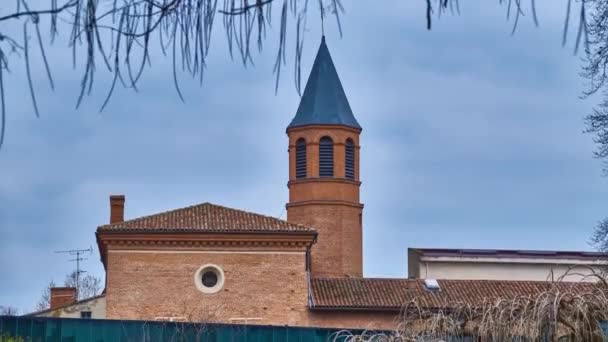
point(324, 172)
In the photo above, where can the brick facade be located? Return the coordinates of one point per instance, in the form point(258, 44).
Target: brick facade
point(151, 262)
point(266, 286)
point(330, 205)
point(368, 320)
point(306, 271)
point(62, 296)
point(262, 285)
point(268, 264)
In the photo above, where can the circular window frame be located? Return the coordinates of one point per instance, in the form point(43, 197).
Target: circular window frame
point(198, 278)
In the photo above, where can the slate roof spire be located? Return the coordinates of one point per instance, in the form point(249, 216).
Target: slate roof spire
point(324, 101)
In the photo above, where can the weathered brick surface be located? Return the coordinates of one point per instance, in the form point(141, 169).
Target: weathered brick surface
point(117, 208)
point(312, 135)
point(338, 251)
point(323, 189)
point(330, 205)
point(62, 296)
point(378, 320)
point(261, 287)
point(263, 284)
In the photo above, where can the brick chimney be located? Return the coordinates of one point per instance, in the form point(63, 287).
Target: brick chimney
point(117, 208)
point(62, 296)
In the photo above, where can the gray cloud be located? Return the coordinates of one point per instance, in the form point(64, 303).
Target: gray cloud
point(472, 138)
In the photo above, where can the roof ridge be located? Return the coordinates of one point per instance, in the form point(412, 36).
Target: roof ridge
point(141, 218)
point(202, 205)
point(257, 214)
point(207, 217)
point(509, 281)
point(532, 250)
point(66, 305)
point(362, 278)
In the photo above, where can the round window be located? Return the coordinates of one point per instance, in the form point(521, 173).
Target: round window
point(209, 278)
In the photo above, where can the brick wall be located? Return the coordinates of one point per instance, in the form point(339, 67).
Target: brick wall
point(330, 205)
point(370, 320)
point(261, 286)
point(62, 296)
point(339, 250)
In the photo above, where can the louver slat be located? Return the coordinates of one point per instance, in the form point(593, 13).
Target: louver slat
point(350, 159)
point(301, 159)
point(326, 157)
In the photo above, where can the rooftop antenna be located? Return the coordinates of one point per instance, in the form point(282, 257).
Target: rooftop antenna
point(78, 258)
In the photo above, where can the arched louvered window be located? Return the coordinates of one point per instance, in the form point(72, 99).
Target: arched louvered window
point(326, 157)
point(349, 162)
point(301, 158)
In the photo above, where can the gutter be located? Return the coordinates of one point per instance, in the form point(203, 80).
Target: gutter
point(200, 231)
point(308, 282)
point(356, 308)
point(82, 301)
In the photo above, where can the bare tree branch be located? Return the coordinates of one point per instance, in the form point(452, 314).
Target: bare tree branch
point(8, 311)
point(120, 33)
point(123, 33)
point(88, 286)
point(561, 312)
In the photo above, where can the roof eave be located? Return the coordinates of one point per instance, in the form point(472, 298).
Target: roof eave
point(165, 231)
point(355, 308)
point(64, 306)
point(105, 238)
point(291, 128)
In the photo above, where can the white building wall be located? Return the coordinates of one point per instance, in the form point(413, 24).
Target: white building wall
point(97, 307)
point(488, 270)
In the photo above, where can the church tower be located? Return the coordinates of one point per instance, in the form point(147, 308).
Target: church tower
point(324, 172)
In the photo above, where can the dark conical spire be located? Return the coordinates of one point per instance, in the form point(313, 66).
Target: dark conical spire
point(324, 101)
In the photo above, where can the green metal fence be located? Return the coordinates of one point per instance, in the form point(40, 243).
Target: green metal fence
point(18, 329)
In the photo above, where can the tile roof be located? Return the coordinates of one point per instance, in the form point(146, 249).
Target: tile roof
point(207, 217)
point(509, 253)
point(324, 101)
point(78, 302)
point(392, 294)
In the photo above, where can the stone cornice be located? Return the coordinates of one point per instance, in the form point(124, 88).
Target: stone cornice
point(122, 240)
point(325, 202)
point(316, 143)
point(317, 126)
point(324, 180)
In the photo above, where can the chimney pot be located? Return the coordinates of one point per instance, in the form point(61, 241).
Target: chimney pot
point(117, 208)
point(62, 296)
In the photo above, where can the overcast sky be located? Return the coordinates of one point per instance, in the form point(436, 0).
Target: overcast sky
point(472, 138)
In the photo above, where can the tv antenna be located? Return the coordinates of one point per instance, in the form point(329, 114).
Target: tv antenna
point(78, 253)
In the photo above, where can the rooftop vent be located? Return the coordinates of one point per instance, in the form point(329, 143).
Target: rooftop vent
point(431, 284)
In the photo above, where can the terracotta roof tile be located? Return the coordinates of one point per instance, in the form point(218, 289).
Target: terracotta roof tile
point(392, 294)
point(79, 302)
point(206, 217)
